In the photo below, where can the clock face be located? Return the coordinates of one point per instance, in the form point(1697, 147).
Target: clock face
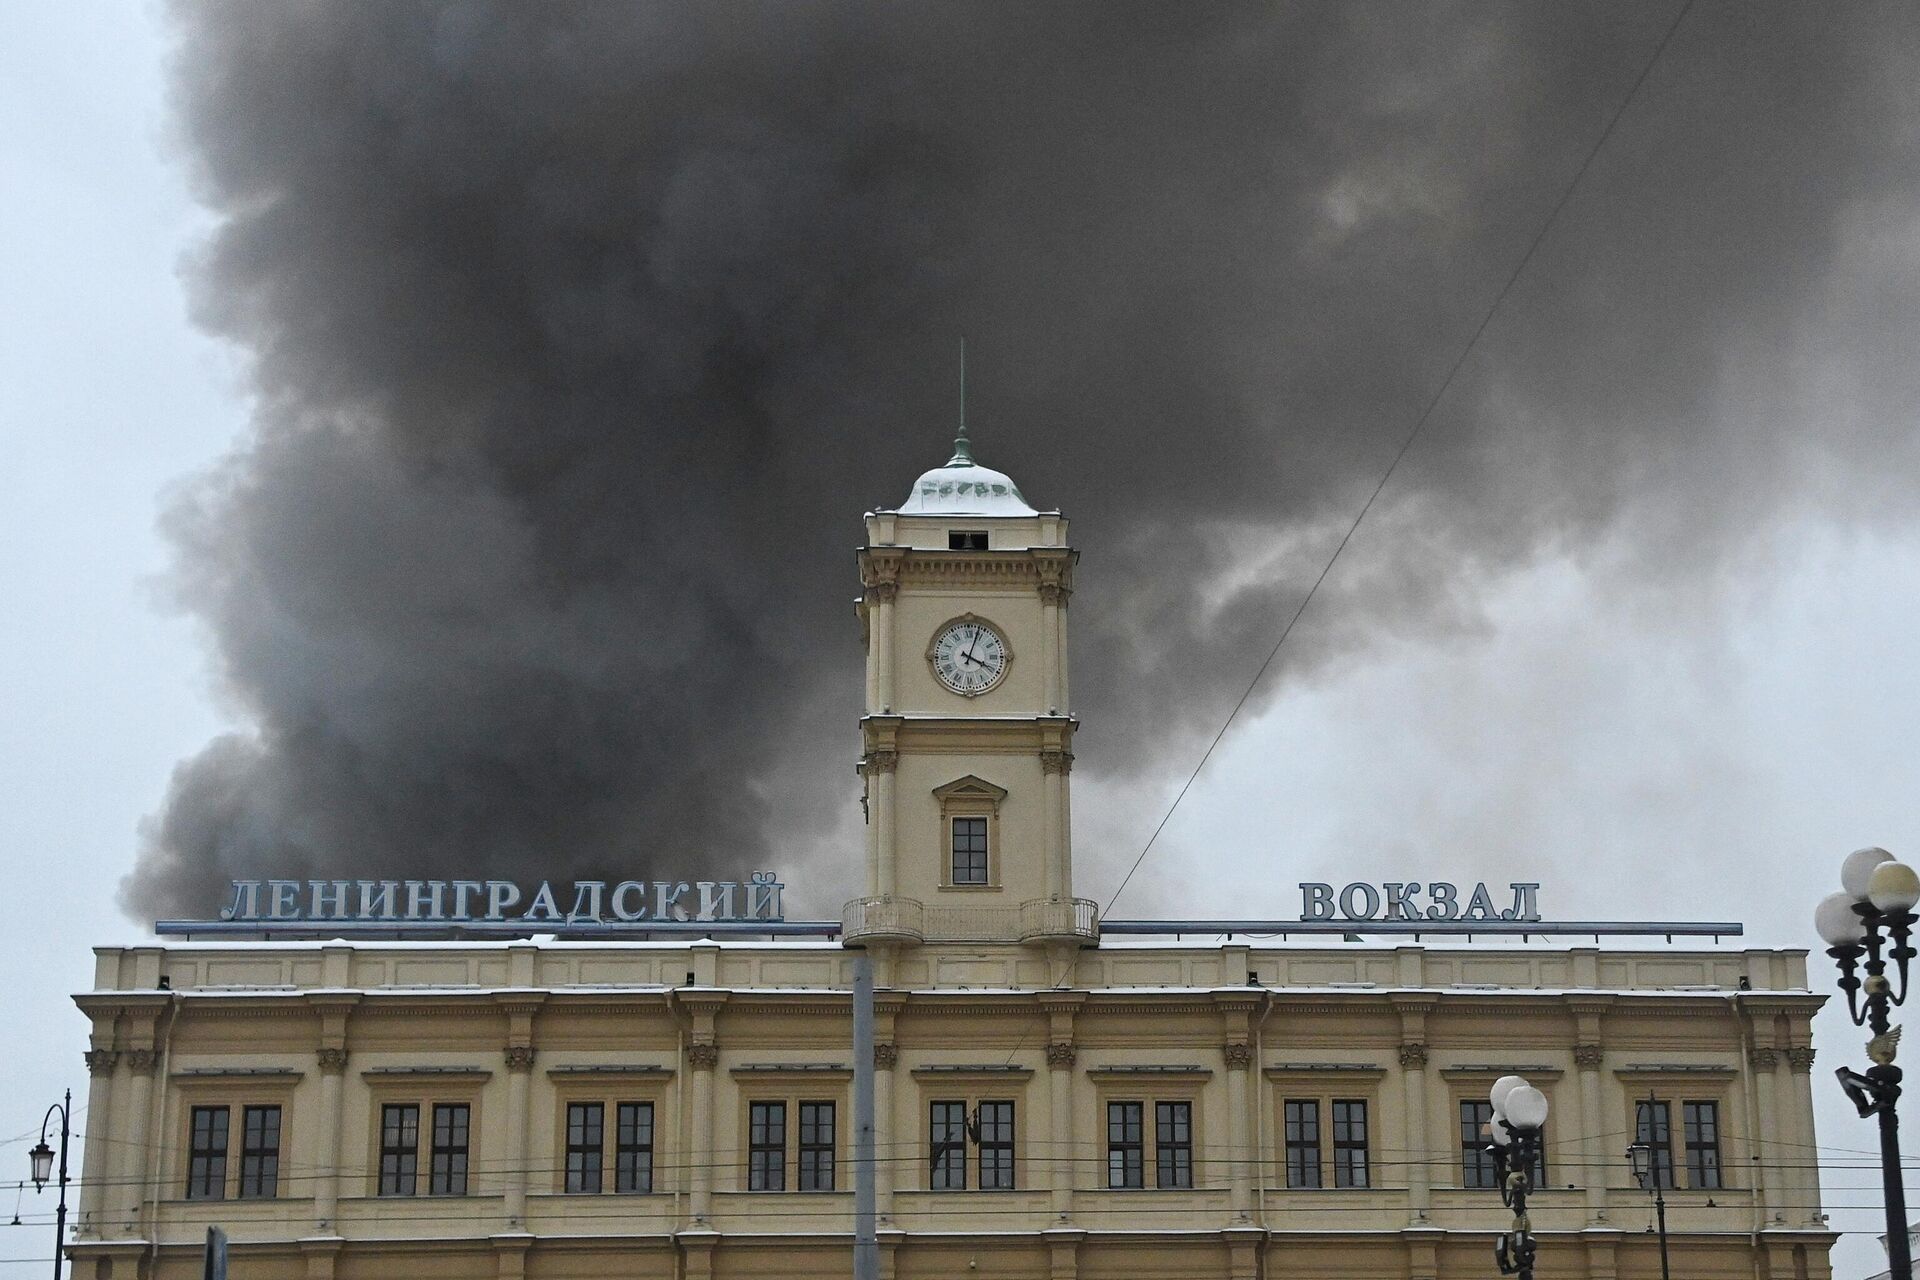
point(969, 657)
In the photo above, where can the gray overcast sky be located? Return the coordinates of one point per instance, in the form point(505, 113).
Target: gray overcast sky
point(1685, 691)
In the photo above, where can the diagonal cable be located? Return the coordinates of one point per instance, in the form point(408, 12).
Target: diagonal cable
point(1406, 444)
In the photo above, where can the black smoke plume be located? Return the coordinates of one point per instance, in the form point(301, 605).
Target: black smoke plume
point(580, 336)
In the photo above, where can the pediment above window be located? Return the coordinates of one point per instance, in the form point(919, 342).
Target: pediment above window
point(970, 788)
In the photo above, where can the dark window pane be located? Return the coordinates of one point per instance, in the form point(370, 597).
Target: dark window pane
point(585, 1143)
point(207, 1154)
point(449, 1176)
point(399, 1148)
point(1173, 1145)
point(816, 1146)
point(947, 1146)
point(767, 1146)
point(260, 1153)
point(633, 1148)
point(1303, 1142)
point(1349, 1143)
point(996, 1146)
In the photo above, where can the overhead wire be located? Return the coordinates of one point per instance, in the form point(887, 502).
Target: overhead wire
point(1406, 444)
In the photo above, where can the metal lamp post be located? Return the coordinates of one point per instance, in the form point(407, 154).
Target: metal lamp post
point(1646, 1171)
point(1519, 1113)
point(42, 1159)
point(1866, 925)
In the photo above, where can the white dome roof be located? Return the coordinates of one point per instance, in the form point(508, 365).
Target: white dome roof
point(965, 488)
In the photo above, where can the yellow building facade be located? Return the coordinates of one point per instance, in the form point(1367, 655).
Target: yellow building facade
point(1049, 1103)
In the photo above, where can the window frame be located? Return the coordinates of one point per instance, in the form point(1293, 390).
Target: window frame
point(1162, 1147)
point(1293, 1112)
point(1006, 1165)
point(978, 861)
point(270, 1156)
point(401, 1149)
point(462, 1152)
point(425, 1097)
point(237, 1094)
point(792, 1095)
point(206, 1184)
point(969, 796)
point(760, 1126)
point(1657, 1115)
point(1701, 1176)
point(807, 1143)
point(585, 1137)
point(943, 1114)
point(1483, 1107)
point(1131, 1145)
point(622, 1148)
point(1676, 1097)
point(1345, 1167)
point(614, 1088)
point(1155, 1155)
point(1322, 1086)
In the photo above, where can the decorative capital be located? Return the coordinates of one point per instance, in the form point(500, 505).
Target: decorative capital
point(1762, 1059)
point(883, 592)
point(519, 1057)
point(141, 1061)
point(1056, 760)
point(1800, 1059)
point(1060, 1053)
point(1054, 593)
point(1588, 1057)
point(332, 1061)
point(882, 760)
point(885, 1056)
point(704, 1054)
point(1413, 1054)
point(1239, 1054)
point(100, 1062)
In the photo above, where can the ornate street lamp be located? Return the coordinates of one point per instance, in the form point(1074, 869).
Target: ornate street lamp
point(1646, 1171)
point(1519, 1113)
point(41, 1158)
point(1867, 924)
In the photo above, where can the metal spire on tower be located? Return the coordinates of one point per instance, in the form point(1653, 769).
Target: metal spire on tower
point(962, 450)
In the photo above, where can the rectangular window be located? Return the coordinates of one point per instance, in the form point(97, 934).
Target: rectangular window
point(207, 1155)
point(586, 1138)
point(947, 1143)
point(1700, 1122)
point(633, 1148)
point(970, 851)
point(1173, 1145)
point(1349, 1143)
point(816, 1146)
point(1477, 1168)
point(450, 1148)
point(1125, 1163)
point(1303, 1142)
point(996, 1146)
point(767, 1146)
point(399, 1148)
point(1651, 1127)
point(966, 540)
point(260, 1153)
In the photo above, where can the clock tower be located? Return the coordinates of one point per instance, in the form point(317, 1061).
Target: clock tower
point(967, 740)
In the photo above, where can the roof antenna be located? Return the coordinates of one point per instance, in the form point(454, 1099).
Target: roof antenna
point(962, 451)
